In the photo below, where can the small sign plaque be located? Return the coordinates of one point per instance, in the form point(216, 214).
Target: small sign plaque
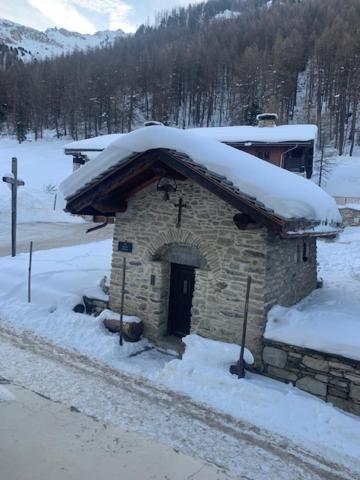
point(125, 247)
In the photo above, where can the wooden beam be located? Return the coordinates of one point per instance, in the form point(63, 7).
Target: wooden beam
point(110, 205)
point(111, 181)
point(141, 186)
point(243, 221)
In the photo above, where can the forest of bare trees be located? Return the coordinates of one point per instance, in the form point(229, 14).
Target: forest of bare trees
point(300, 58)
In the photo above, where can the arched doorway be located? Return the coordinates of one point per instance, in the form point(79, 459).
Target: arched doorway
point(182, 283)
point(183, 260)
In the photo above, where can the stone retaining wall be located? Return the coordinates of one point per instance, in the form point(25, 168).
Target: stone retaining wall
point(350, 217)
point(330, 377)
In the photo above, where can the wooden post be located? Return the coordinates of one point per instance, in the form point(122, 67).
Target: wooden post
point(241, 369)
point(13, 206)
point(15, 183)
point(122, 300)
point(29, 275)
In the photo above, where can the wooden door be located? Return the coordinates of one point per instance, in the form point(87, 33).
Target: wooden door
point(182, 281)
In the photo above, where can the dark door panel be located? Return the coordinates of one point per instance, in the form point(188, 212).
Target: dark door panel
point(182, 282)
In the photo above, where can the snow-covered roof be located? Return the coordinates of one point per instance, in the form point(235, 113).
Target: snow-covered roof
point(95, 143)
point(242, 134)
point(285, 194)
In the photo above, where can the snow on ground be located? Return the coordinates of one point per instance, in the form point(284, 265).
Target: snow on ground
point(329, 318)
point(227, 15)
point(5, 395)
point(287, 194)
point(60, 276)
point(203, 375)
point(42, 165)
point(59, 279)
point(343, 178)
point(353, 206)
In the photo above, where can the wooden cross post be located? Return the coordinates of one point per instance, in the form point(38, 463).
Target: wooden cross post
point(180, 206)
point(15, 183)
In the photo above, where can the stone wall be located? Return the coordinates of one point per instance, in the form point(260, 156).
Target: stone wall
point(291, 270)
point(350, 217)
point(330, 377)
point(226, 257)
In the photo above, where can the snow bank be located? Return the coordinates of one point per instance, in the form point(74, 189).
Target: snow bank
point(5, 395)
point(289, 195)
point(203, 374)
point(60, 277)
point(344, 178)
point(95, 143)
point(351, 206)
point(332, 327)
point(329, 318)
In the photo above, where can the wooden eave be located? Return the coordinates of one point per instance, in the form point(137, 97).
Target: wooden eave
point(79, 151)
point(131, 175)
point(250, 143)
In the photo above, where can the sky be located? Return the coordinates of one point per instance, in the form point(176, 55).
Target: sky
point(85, 16)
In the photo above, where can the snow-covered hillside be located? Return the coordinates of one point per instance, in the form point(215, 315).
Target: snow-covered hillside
point(42, 165)
point(32, 43)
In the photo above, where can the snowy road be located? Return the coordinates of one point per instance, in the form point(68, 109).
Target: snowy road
point(51, 235)
point(138, 405)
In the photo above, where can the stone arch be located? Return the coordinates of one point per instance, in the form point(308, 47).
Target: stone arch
point(183, 254)
point(168, 245)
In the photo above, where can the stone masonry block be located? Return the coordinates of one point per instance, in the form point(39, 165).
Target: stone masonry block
point(318, 364)
point(355, 393)
point(274, 357)
point(313, 386)
point(281, 374)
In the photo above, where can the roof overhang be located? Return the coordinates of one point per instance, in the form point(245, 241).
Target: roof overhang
point(77, 151)
point(108, 193)
point(257, 143)
point(247, 143)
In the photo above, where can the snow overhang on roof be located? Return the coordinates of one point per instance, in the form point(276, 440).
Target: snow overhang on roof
point(273, 192)
point(233, 135)
point(95, 144)
point(270, 135)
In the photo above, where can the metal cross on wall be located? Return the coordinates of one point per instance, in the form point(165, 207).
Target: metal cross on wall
point(180, 206)
point(15, 183)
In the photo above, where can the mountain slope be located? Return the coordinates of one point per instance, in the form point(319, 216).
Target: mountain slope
point(30, 44)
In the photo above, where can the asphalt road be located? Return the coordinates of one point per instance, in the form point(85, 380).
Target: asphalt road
point(51, 235)
point(42, 440)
